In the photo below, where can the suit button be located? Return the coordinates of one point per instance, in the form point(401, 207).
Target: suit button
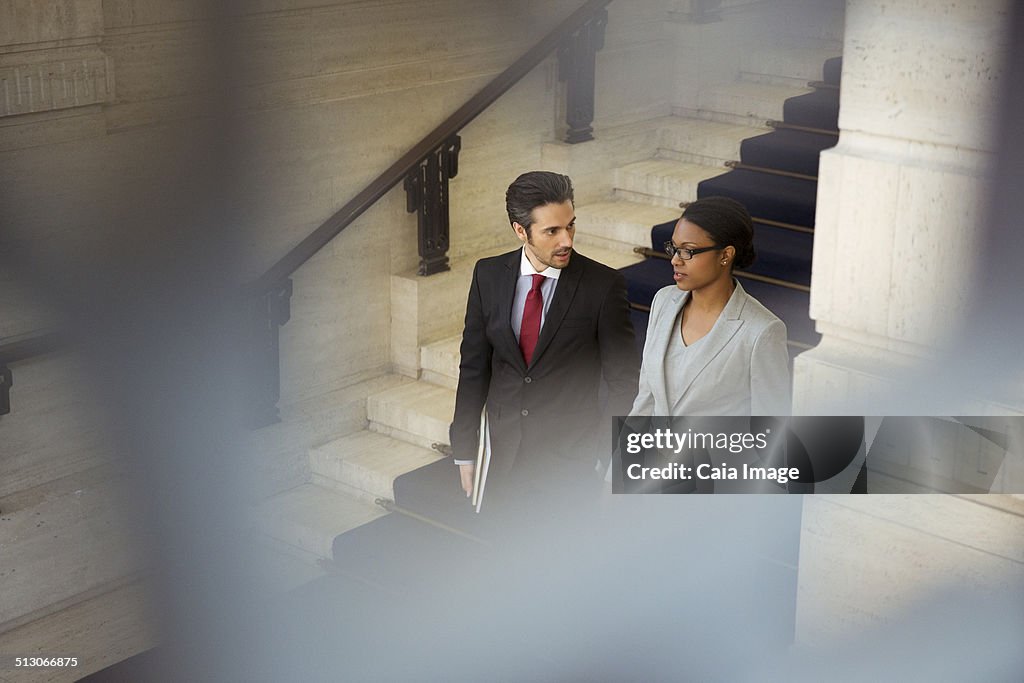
point(527, 379)
point(524, 412)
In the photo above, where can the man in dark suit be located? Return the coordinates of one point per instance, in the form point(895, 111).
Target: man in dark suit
point(544, 324)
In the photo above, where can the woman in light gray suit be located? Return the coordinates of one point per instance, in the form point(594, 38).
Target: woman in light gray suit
point(712, 349)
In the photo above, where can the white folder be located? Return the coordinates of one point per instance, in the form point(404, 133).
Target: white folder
point(483, 462)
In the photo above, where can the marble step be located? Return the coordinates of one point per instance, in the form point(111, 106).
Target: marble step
point(612, 256)
point(101, 631)
point(426, 309)
point(56, 428)
point(367, 462)
point(663, 182)
point(67, 538)
point(324, 417)
point(439, 362)
point(789, 65)
point(700, 141)
point(418, 413)
point(588, 165)
point(308, 517)
point(622, 224)
point(743, 102)
point(279, 451)
point(809, 22)
point(276, 567)
point(22, 310)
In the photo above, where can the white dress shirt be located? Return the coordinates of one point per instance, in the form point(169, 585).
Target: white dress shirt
point(523, 286)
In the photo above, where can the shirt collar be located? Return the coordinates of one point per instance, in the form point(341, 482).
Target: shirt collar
point(526, 268)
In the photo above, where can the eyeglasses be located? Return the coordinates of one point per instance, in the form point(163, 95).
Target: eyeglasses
point(684, 253)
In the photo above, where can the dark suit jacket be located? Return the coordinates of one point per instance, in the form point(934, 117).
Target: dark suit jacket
point(547, 412)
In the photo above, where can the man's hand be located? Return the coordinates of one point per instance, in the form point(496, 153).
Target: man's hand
point(466, 473)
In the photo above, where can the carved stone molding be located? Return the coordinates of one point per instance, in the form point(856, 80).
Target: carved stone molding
point(31, 83)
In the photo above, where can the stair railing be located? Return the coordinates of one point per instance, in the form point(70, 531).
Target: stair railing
point(425, 171)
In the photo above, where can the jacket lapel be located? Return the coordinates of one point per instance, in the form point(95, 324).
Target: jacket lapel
point(659, 343)
point(506, 294)
point(707, 348)
point(568, 281)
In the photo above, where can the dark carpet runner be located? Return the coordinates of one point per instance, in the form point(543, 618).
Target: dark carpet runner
point(766, 196)
point(783, 251)
point(818, 109)
point(795, 151)
point(832, 70)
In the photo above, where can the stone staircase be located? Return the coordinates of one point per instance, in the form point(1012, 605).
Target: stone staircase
point(413, 410)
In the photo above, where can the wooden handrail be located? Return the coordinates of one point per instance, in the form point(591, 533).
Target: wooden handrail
point(401, 168)
point(25, 346)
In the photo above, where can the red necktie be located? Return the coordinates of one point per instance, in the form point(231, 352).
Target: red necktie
point(529, 331)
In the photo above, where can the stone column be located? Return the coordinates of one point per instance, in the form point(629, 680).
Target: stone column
point(902, 209)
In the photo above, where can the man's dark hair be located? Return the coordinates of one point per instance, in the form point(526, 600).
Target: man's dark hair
point(728, 223)
point(534, 189)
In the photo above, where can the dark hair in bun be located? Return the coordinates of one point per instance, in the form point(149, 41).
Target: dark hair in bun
point(728, 223)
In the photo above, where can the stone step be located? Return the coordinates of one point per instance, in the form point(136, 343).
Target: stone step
point(790, 65)
point(277, 567)
point(663, 182)
point(700, 141)
point(440, 362)
point(427, 309)
point(613, 256)
point(743, 102)
point(622, 224)
point(279, 451)
point(69, 537)
point(101, 631)
point(56, 428)
point(588, 165)
point(22, 310)
point(308, 517)
point(418, 413)
point(367, 462)
point(810, 22)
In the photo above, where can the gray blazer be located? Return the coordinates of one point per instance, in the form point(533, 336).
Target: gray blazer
point(741, 367)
